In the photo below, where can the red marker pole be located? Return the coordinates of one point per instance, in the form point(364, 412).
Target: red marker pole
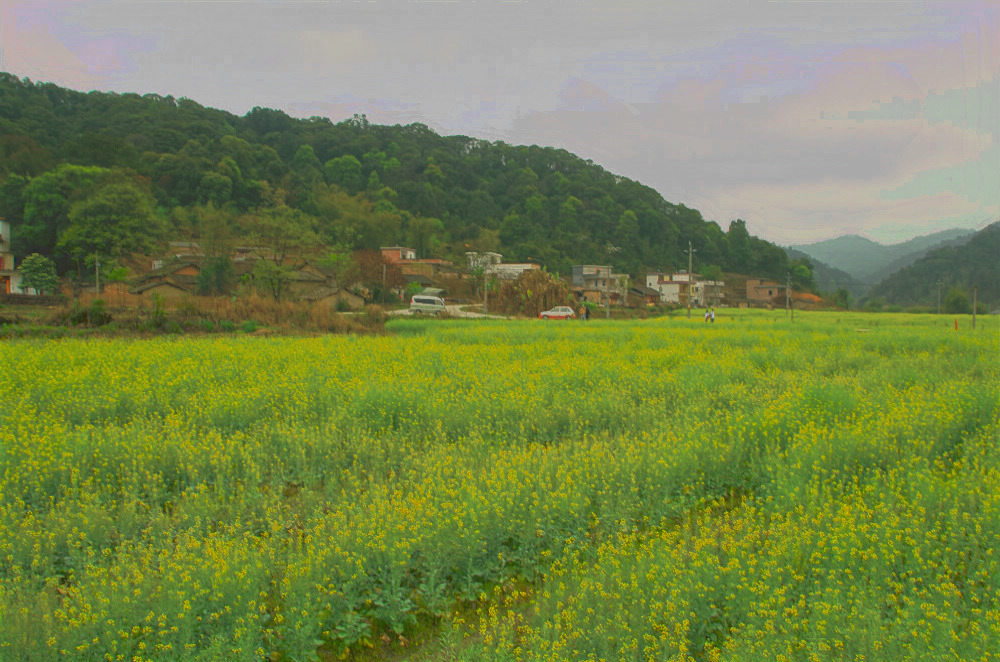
point(956, 324)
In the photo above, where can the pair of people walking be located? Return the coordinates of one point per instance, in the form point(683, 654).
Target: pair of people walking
point(710, 315)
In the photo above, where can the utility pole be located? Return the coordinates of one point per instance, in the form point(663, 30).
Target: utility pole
point(788, 294)
point(97, 274)
point(607, 295)
point(975, 292)
point(939, 297)
point(690, 276)
point(486, 291)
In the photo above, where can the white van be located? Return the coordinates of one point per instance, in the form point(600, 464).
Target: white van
point(421, 304)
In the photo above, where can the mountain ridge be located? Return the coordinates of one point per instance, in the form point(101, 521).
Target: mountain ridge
point(869, 261)
point(951, 266)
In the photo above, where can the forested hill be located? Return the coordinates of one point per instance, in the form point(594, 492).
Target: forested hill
point(830, 279)
point(953, 269)
point(870, 262)
point(70, 161)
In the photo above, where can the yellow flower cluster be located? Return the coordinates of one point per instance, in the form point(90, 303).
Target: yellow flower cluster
point(620, 490)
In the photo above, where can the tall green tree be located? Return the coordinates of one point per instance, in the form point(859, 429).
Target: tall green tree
point(425, 234)
point(956, 302)
point(39, 273)
point(12, 199)
point(23, 156)
point(802, 275)
point(738, 244)
point(114, 221)
point(216, 235)
point(284, 239)
point(842, 298)
point(48, 199)
point(345, 172)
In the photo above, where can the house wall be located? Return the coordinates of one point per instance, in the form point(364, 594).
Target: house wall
point(670, 292)
point(591, 275)
point(189, 270)
point(764, 291)
point(486, 259)
point(7, 275)
point(398, 253)
point(590, 296)
point(166, 291)
point(429, 269)
point(511, 271)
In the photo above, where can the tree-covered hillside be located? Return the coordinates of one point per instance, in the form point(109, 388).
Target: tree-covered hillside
point(869, 262)
point(958, 268)
point(830, 280)
point(163, 168)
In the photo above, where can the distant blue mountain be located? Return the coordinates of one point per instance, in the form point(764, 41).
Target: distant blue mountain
point(870, 262)
point(973, 263)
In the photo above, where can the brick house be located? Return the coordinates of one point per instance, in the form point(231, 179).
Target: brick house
point(763, 292)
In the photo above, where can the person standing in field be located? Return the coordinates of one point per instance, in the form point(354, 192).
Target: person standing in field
point(713, 314)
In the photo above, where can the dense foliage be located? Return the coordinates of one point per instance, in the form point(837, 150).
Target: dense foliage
point(39, 273)
point(824, 489)
point(353, 185)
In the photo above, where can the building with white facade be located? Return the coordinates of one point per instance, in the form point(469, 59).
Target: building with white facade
point(677, 288)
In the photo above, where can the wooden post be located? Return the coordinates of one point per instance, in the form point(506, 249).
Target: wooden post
point(690, 276)
point(788, 296)
point(975, 292)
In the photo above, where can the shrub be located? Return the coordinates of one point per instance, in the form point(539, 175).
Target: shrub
point(532, 292)
point(95, 314)
point(375, 316)
point(956, 302)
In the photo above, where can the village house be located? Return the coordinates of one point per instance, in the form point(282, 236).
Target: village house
point(184, 249)
point(598, 284)
point(396, 254)
point(674, 288)
point(493, 264)
point(408, 263)
point(708, 293)
point(762, 292)
point(172, 280)
point(511, 270)
point(677, 288)
point(7, 274)
point(647, 295)
point(483, 259)
point(164, 288)
point(176, 276)
point(335, 298)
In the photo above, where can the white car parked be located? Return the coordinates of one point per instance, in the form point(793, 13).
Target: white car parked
point(421, 304)
point(557, 313)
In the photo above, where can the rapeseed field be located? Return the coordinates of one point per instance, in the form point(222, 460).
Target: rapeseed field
point(665, 489)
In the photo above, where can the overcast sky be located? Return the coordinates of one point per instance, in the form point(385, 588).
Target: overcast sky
point(807, 118)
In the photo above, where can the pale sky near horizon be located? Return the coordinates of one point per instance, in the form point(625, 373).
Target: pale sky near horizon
point(807, 118)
